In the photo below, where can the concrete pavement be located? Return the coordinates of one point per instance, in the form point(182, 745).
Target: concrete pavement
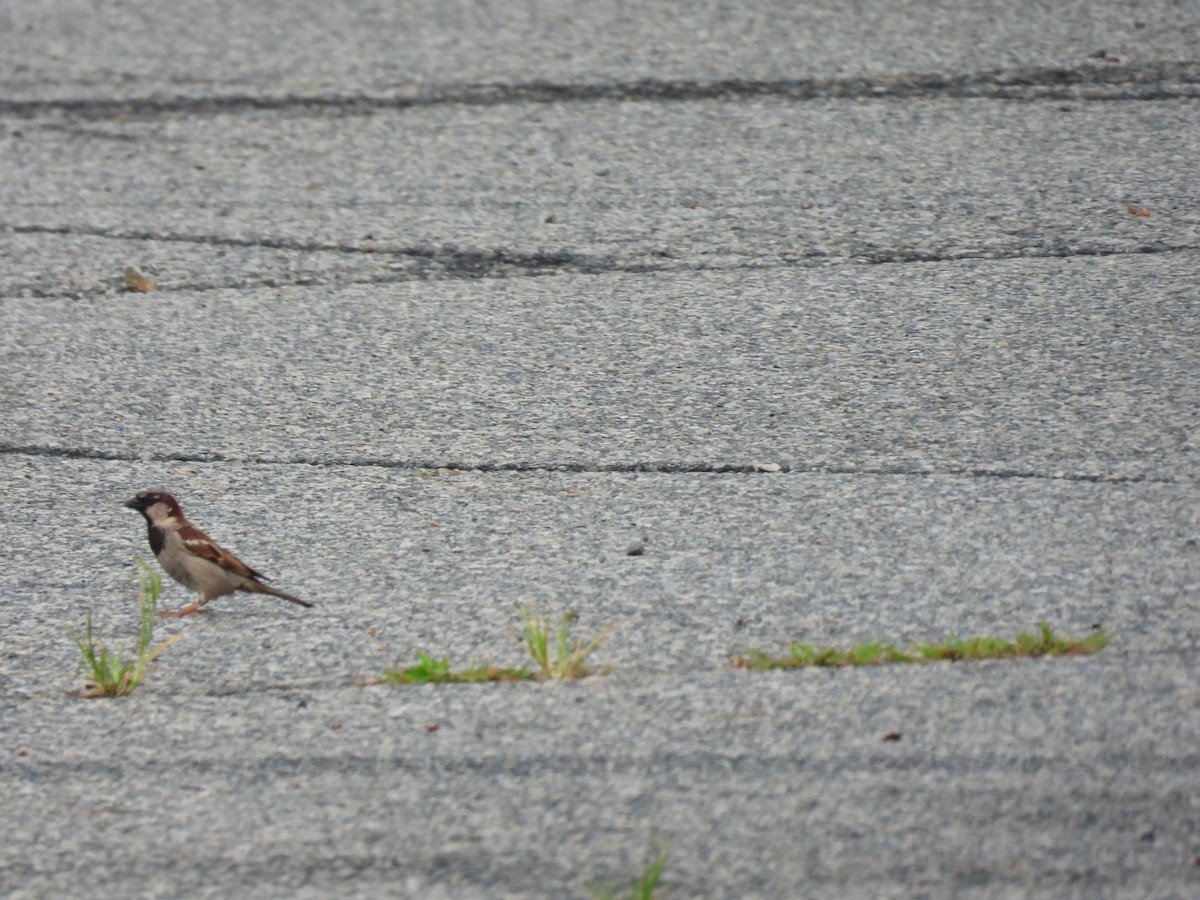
point(457, 302)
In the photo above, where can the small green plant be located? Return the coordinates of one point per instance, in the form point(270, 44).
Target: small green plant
point(806, 655)
point(111, 673)
point(643, 887)
point(557, 655)
point(1044, 643)
point(437, 671)
point(563, 657)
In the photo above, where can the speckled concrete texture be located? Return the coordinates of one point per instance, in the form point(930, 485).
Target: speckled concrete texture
point(860, 323)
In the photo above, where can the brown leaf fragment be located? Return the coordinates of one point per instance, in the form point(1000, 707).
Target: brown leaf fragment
point(1136, 210)
point(138, 283)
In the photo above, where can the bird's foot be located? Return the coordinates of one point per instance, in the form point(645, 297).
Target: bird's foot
point(192, 609)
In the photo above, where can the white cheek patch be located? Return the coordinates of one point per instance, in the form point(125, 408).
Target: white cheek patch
point(160, 514)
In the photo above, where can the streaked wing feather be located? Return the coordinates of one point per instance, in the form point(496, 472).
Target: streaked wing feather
point(196, 541)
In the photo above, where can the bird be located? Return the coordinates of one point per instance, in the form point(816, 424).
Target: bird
point(194, 559)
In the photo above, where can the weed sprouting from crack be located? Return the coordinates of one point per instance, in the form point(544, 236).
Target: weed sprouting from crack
point(953, 649)
point(437, 671)
point(564, 657)
point(642, 887)
point(114, 673)
point(557, 655)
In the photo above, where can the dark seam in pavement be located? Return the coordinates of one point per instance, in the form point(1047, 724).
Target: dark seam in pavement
point(500, 761)
point(1166, 80)
point(460, 259)
point(448, 262)
point(660, 468)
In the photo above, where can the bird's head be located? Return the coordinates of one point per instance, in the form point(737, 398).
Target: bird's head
point(155, 505)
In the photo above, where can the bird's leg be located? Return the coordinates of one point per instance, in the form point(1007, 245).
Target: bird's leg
point(191, 609)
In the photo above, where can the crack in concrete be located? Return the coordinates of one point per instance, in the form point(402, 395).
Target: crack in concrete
point(659, 467)
point(447, 262)
point(1147, 81)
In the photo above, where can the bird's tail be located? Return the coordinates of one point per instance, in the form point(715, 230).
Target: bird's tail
point(255, 587)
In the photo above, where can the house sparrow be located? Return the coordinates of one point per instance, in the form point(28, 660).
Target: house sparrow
point(194, 559)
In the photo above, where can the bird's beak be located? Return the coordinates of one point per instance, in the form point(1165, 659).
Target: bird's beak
point(131, 504)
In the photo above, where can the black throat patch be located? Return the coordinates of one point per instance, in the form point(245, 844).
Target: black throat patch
point(156, 538)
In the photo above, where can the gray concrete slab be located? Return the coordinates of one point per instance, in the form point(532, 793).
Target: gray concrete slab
point(730, 561)
point(257, 754)
point(246, 196)
point(1077, 368)
point(936, 265)
point(1045, 778)
point(71, 49)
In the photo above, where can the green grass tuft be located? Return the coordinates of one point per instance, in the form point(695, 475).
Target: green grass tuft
point(642, 887)
point(1044, 643)
point(112, 673)
point(563, 657)
point(437, 671)
point(953, 649)
point(555, 652)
